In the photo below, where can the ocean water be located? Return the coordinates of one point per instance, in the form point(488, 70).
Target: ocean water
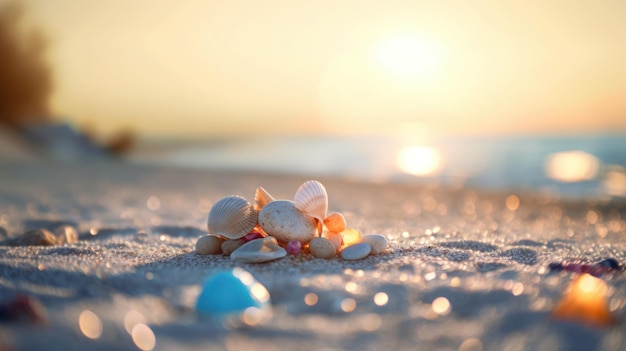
point(581, 166)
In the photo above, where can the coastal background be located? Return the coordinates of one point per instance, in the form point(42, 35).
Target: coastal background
point(579, 167)
point(487, 95)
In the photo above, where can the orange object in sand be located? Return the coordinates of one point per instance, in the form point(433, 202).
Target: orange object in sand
point(585, 302)
point(351, 236)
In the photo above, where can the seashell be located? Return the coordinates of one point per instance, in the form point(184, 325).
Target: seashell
point(232, 217)
point(209, 245)
point(334, 238)
point(258, 251)
point(66, 234)
point(322, 248)
point(378, 242)
point(335, 222)
point(261, 198)
point(35, 237)
point(282, 220)
point(233, 293)
point(311, 198)
point(229, 246)
point(356, 252)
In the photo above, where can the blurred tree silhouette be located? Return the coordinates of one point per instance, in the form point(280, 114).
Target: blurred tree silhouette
point(25, 78)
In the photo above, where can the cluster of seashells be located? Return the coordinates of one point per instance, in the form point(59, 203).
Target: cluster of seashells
point(270, 229)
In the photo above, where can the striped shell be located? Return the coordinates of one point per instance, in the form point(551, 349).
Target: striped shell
point(261, 198)
point(311, 198)
point(232, 217)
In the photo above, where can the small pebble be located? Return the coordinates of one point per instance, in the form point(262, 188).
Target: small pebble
point(282, 220)
point(555, 267)
point(378, 243)
point(293, 247)
point(229, 246)
point(209, 245)
point(322, 248)
point(259, 251)
point(35, 237)
point(356, 252)
point(610, 263)
point(335, 222)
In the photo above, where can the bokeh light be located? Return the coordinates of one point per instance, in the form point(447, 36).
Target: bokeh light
point(143, 337)
point(419, 160)
point(571, 166)
point(441, 306)
point(381, 298)
point(90, 324)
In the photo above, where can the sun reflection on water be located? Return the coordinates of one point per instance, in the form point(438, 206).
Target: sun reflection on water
point(419, 160)
point(571, 166)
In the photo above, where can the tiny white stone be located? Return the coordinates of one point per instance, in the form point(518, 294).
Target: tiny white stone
point(356, 251)
point(282, 220)
point(209, 245)
point(378, 242)
point(259, 250)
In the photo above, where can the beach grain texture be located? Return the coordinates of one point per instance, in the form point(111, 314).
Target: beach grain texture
point(464, 270)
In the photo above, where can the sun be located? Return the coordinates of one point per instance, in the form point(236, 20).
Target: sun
point(408, 56)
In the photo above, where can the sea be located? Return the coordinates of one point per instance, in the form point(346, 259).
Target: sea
point(574, 167)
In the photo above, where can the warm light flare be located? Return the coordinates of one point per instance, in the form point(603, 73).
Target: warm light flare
point(615, 181)
point(408, 56)
point(351, 236)
point(419, 160)
point(571, 166)
point(585, 302)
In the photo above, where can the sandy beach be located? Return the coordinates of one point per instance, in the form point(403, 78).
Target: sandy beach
point(486, 254)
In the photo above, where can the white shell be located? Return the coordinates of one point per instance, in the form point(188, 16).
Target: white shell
point(322, 248)
point(209, 245)
point(261, 198)
point(378, 242)
point(282, 220)
point(311, 198)
point(356, 252)
point(259, 250)
point(232, 217)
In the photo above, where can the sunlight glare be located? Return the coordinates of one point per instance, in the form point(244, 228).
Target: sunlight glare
point(419, 160)
point(571, 166)
point(408, 56)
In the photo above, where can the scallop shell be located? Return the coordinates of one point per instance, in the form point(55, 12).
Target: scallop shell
point(311, 198)
point(232, 217)
point(261, 198)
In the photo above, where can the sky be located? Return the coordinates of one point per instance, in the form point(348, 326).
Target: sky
point(213, 68)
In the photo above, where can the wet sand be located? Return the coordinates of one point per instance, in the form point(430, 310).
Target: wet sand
point(486, 254)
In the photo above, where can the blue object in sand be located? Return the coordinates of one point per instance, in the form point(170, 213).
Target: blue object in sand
point(231, 292)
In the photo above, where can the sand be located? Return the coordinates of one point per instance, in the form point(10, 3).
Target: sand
point(465, 270)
